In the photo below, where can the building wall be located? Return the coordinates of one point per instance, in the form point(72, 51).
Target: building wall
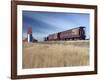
point(29, 38)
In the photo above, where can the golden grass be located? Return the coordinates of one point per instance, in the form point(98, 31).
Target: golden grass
point(55, 54)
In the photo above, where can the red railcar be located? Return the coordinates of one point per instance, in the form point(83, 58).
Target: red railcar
point(53, 36)
point(76, 33)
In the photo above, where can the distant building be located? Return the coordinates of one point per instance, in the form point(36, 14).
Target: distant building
point(29, 35)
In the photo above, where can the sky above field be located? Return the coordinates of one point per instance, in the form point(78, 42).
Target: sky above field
point(45, 23)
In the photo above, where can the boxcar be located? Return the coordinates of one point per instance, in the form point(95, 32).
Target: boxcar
point(73, 34)
point(53, 36)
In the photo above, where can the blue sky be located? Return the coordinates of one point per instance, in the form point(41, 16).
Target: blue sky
point(45, 23)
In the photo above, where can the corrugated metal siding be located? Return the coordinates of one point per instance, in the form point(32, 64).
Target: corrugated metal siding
point(53, 37)
point(30, 38)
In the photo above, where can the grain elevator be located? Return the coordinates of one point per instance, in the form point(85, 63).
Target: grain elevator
point(29, 35)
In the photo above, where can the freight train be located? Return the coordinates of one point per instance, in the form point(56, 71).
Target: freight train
point(71, 34)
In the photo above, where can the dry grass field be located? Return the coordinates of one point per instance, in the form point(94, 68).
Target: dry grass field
point(55, 54)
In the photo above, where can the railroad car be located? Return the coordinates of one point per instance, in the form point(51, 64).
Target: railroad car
point(73, 34)
point(53, 36)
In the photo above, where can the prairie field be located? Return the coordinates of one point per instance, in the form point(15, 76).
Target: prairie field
point(55, 54)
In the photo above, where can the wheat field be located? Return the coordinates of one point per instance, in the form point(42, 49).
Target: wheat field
point(55, 54)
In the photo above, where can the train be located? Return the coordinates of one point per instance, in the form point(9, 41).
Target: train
point(71, 34)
